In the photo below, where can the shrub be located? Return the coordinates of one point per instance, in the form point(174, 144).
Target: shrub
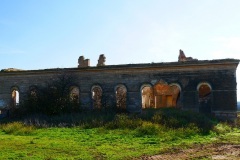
point(53, 98)
point(237, 122)
point(123, 121)
point(222, 128)
point(157, 118)
point(147, 128)
point(188, 131)
point(17, 128)
point(85, 119)
point(175, 118)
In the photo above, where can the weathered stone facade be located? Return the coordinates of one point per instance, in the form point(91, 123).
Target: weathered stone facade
point(205, 86)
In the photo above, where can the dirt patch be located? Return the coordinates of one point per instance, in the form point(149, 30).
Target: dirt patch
point(210, 151)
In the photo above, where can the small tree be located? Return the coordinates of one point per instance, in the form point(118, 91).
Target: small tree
point(54, 97)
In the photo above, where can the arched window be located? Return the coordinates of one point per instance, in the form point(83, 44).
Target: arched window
point(15, 97)
point(121, 96)
point(33, 95)
point(147, 96)
point(74, 94)
point(33, 91)
point(97, 96)
point(204, 97)
point(204, 90)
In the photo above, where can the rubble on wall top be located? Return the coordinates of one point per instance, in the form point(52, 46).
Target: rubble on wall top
point(183, 58)
point(101, 60)
point(11, 70)
point(82, 62)
point(182, 61)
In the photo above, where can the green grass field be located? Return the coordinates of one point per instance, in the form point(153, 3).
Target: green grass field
point(111, 141)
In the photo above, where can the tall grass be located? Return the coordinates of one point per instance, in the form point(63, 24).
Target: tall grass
point(86, 119)
point(147, 120)
point(148, 128)
point(222, 128)
point(175, 118)
point(108, 134)
point(17, 128)
point(124, 121)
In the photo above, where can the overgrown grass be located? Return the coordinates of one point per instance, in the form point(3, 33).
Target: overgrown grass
point(17, 128)
point(106, 135)
point(169, 117)
point(175, 118)
point(123, 121)
point(222, 128)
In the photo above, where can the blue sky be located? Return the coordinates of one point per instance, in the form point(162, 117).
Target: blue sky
point(38, 34)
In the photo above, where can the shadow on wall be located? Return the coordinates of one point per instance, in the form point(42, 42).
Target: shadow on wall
point(238, 106)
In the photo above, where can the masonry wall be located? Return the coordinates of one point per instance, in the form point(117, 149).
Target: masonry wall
point(219, 74)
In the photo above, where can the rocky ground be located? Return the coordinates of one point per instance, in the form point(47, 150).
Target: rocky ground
point(210, 151)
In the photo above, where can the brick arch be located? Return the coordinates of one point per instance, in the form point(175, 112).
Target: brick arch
point(176, 84)
point(120, 85)
point(204, 89)
point(204, 83)
point(145, 85)
point(15, 88)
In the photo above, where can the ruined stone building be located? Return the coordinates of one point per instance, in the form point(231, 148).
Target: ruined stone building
point(207, 86)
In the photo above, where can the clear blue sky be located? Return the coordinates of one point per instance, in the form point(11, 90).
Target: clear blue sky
point(38, 34)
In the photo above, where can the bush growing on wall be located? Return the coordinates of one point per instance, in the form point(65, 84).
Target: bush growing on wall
point(53, 98)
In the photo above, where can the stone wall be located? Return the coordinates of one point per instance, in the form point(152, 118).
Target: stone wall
point(220, 75)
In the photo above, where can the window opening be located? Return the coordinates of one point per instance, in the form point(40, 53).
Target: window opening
point(121, 97)
point(74, 94)
point(97, 97)
point(204, 97)
point(15, 97)
point(147, 97)
point(166, 95)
